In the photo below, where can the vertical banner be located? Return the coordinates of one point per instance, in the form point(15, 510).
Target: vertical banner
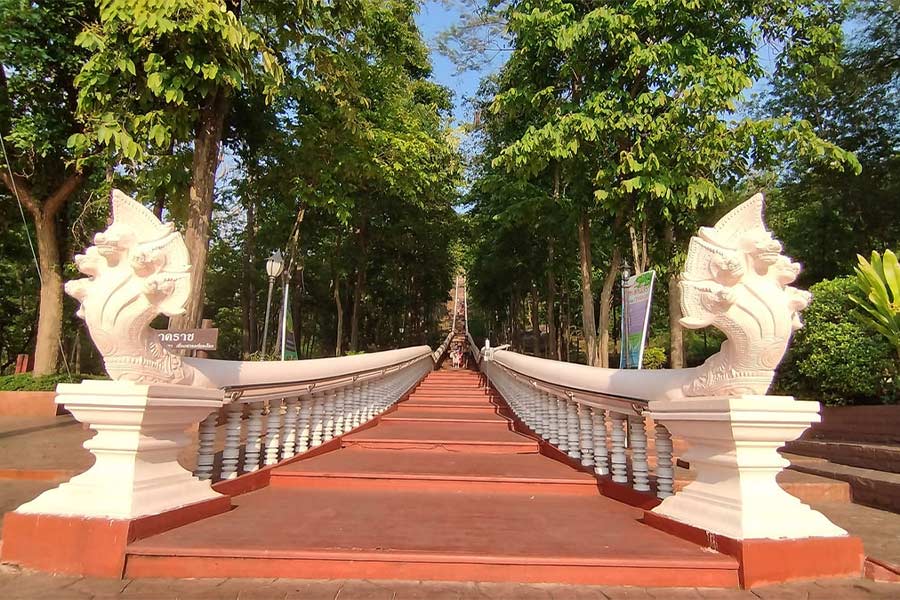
point(637, 293)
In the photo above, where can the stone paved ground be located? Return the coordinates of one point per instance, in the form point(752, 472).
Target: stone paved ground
point(16, 584)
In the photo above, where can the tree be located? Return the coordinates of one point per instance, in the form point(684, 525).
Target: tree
point(635, 102)
point(163, 73)
point(38, 65)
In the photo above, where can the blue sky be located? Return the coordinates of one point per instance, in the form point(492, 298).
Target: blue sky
point(433, 18)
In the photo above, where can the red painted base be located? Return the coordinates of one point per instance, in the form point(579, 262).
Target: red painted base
point(368, 565)
point(764, 561)
point(93, 547)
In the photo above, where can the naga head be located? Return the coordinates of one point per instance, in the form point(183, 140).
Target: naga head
point(736, 279)
point(137, 269)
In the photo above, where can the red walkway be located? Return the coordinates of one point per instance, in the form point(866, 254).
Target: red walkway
point(441, 488)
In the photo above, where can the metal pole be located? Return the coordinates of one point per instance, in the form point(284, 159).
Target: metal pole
point(268, 315)
point(284, 310)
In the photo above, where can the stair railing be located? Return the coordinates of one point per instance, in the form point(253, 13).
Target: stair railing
point(737, 280)
point(270, 422)
point(604, 432)
point(158, 401)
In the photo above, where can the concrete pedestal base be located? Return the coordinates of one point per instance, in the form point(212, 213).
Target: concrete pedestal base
point(733, 446)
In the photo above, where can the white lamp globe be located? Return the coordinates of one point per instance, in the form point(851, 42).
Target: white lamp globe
point(275, 264)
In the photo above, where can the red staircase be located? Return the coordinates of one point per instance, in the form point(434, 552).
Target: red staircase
point(441, 488)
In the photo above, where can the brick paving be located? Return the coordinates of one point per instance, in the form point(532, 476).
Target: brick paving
point(16, 584)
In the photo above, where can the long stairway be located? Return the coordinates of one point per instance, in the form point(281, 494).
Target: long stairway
point(441, 488)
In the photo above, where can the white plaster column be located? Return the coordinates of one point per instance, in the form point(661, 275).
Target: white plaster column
point(572, 429)
point(617, 455)
point(733, 446)
point(254, 437)
point(232, 450)
point(141, 429)
point(206, 446)
point(303, 418)
point(640, 469)
point(586, 438)
point(601, 452)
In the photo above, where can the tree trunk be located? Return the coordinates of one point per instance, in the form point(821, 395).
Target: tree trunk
point(587, 293)
point(566, 322)
point(44, 214)
point(360, 287)
point(552, 346)
point(46, 352)
point(676, 330)
point(606, 305)
point(249, 340)
point(296, 284)
point(339, 310)
point(535, 319)
point(203, 182)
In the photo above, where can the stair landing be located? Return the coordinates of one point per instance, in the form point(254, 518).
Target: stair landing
point(435, 494)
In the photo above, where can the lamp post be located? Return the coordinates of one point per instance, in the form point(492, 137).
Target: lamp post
point(626, 273)
point(274, 267)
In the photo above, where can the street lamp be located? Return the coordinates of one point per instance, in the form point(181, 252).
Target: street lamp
point(274, 267)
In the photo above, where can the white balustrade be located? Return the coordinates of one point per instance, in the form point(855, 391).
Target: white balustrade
point(253, 446)
point(206, 450)
point(232, 441)
point(303, 423)
point(289, 429)
point(587, 440)
point(601, 452)
point(273, 431)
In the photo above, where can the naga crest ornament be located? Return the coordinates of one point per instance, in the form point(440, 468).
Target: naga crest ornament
point(736, 279)
point(137, 269)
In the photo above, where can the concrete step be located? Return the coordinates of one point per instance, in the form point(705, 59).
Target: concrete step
point(867, 486)
point(806, 487)
point(878, 457)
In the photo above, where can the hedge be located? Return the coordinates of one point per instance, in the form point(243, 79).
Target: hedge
point(24, 382)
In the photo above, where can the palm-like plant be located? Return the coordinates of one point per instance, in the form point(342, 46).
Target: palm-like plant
point(879, 282)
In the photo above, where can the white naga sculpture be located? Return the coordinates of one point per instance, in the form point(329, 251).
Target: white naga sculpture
point(736, 279)
point(137, 269)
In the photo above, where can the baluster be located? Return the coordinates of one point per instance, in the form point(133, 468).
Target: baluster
point(544, 403)
point(562, 425)
point(665, 471)
point(317, 419)
point(587, 440)
point(254, 437)
point(369, 401)
point(328, 429)
point(572, 428)
point(303, 419)
point(232, 441)
point(340, 402)
point(206, 447)
point(553, 419)
point(289, 437)
point(273, 431)
point(359, 397)
point(637, 436)
point(601, 453)
point(619, 465)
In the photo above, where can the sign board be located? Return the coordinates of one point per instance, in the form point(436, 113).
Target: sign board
point(637, 292)
point(189, 339)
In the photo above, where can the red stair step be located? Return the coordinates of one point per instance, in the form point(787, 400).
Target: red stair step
point(363, 468)
point(380, 534)
point(456, 437)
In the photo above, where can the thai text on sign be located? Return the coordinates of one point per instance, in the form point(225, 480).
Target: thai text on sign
point(189, 339)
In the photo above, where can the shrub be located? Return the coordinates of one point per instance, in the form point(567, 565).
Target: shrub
point(654, 357)
point(24, 382)
point(834, 358)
